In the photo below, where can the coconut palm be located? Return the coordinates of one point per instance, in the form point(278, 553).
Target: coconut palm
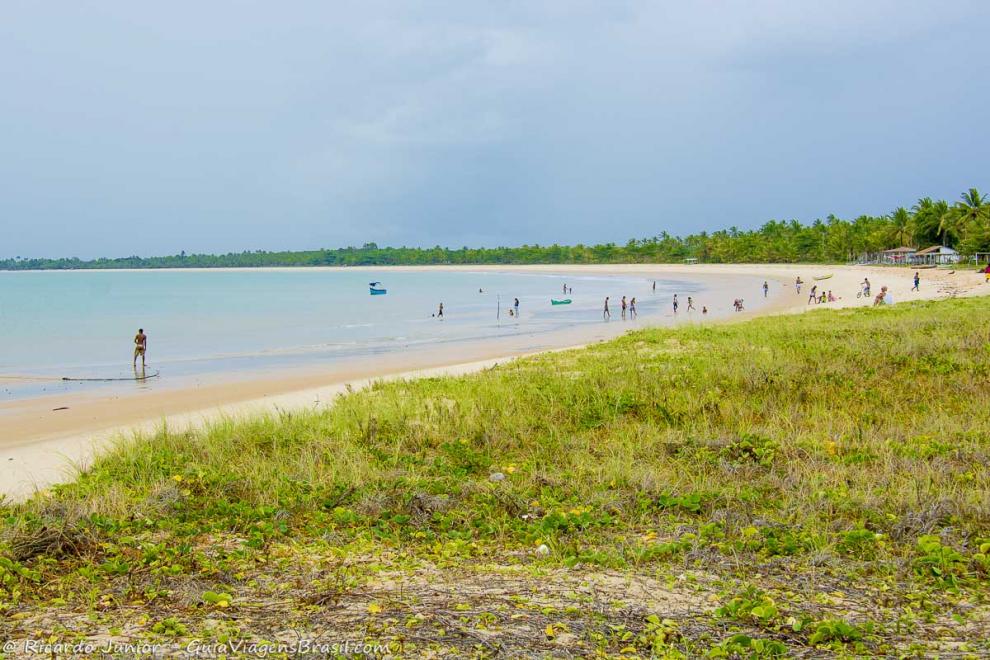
point(974, 208)
point(928, 216)
point(971, 213)
point(900, 225)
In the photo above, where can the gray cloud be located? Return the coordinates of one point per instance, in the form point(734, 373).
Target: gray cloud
point(229, 126)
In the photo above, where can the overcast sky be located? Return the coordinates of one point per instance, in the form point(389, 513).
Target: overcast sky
point(150, 128)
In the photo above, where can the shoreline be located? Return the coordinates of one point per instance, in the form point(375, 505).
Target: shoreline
point(40, 446)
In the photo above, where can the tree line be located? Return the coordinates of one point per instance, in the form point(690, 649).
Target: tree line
point(964, 225)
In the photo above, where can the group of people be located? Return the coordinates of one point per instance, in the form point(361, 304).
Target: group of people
point(627, 307)
point(690, 305)
point(819, 297)
point(882, 298)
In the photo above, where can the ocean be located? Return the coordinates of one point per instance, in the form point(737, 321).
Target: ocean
point(81, 324)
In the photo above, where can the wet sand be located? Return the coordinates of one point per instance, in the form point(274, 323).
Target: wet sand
point(45, 439)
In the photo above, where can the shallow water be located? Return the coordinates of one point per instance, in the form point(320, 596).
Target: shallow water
point(81, 323)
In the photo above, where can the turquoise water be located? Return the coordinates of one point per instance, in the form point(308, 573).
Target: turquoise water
point(81, 324)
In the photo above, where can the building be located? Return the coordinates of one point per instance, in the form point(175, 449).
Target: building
point(901, 255)
point(936, 254)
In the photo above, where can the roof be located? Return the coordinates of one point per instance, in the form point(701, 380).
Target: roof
point(935, 249)
point(899, 250)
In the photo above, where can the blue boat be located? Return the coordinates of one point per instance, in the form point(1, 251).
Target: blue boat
point(378, 292)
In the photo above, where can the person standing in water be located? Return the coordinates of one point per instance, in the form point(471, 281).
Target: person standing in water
point(140, 346)
point(690, 306)
point(675, 303)
point(606, 315)
point(632, 308)
point(654, 286)
point(766, 289)
point(440, 312)
point(623, 308)
point(516, 306)
point(565, 288)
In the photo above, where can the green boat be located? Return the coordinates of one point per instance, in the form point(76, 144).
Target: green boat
point(565, 301)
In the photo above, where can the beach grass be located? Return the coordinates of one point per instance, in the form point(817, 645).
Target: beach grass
point(793, 485)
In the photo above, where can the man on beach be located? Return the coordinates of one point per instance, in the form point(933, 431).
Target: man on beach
point(440, 312)
point(766, 289)
point(675, 303)
point(516, 306)
point(917, 282)
point(605, 313)
point(140, 346)
point(623, 308)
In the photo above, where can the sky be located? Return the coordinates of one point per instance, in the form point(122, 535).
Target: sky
point(139, 128)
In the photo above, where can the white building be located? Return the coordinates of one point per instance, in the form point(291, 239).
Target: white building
point(936, 254)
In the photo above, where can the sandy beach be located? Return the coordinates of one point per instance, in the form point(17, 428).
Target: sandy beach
point(44, 440)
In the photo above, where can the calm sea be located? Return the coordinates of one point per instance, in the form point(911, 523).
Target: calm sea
point(81, 324)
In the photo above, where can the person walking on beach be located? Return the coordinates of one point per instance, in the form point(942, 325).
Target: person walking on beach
point(606, 315)
point(516, 306)
point(813, 297)
point(140, 346)
point(623, 308)
point(632, 308)
point(675, 303)
point(766, 289)
point(797, 284)
point(917, 282)
point(440, 312)
point(690, 306)
point(866, 287)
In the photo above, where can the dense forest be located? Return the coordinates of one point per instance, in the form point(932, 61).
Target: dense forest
point(964, 225)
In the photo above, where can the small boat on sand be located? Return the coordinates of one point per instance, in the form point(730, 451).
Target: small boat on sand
point(823, 277)
point(565, 301)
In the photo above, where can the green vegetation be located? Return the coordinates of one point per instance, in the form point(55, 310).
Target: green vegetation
point(813, 484)
point(964, 225)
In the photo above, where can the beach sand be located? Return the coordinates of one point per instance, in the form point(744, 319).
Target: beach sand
point(45, 440)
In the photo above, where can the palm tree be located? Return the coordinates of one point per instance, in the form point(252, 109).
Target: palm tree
point(900, 225)
point(973, 208)
point(968, 213)
point(928, 216)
